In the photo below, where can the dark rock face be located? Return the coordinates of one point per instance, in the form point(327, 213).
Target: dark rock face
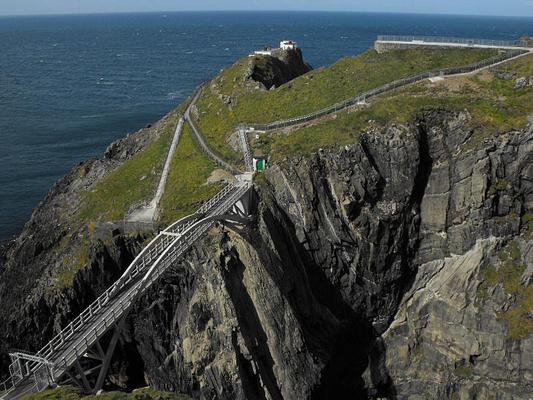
point(282, 67)
point(357, 279)
point(32, 308)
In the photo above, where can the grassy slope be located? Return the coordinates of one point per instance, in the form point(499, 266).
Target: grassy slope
point(494, 103)
point(508, 272)
point(112, 196)
point(314, 90)
point(186, 188)
point(133, 182)
point(73, 393)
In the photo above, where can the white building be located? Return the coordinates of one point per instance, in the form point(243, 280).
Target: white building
point(288, 45)
point(268, 50)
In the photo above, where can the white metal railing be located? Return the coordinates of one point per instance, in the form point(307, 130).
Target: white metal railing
point(245, 146)
point(170, 255)
point(81, 333)
point(165, 248)
point(455, 40)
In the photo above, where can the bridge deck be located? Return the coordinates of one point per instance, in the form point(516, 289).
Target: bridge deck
point(103, 315)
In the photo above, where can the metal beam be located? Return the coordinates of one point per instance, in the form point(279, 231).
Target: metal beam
point(75, 380)
point(85, 382)
point(108, 356)
point(101, 352)
point(79, 340)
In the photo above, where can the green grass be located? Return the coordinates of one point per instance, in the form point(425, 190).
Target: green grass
point(493, 110)
point(520, 324)
point(508, 272)
point(499, 185)
point(61, 392)
point(186, 183)
point(527, 220)
point(217, 123)
point(346, 78)
point(71, 264)
point(312, 91)
point(133, 182)
point(464, 371)
point(72, 393)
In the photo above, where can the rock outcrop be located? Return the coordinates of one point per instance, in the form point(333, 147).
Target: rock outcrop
point(279, 68)
point(364, 275)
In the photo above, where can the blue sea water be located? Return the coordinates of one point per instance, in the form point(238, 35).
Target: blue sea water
point(69, 85)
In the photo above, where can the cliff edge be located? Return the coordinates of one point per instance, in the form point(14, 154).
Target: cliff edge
point(390, 254)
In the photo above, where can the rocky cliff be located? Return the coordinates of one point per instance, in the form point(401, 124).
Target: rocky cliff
point(394, 267)
point(363, 276)
point(35, 303)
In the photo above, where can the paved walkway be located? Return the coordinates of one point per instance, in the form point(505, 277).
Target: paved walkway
point(205, 148)
point(419, 43)
point(148, 213)
point(362, 98)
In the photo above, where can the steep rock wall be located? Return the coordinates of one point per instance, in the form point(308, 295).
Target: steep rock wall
point(356, 279)
point(324, 296)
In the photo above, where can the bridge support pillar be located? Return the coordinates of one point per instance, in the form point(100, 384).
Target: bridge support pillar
point(106, 362)
point(90, 370)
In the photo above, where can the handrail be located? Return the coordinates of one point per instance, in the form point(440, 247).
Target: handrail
point(455, 40)
point(382, 89)
point(248, 160)
point(154, 256)
point(153, 248)
point(103, 313)
point(186, 240)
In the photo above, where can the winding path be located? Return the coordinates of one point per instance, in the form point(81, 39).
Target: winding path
point(205, 148)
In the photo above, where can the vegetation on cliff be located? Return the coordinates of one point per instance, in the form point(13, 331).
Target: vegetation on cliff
point(507, 271)
point(73, 393)
point(231, 98)
point(133, 182)
point(353, 224)
point(490, 97)
point(187, 184)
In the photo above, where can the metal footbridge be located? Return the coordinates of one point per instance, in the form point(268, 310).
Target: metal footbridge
point(81, 352)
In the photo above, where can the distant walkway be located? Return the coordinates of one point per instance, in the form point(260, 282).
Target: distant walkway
point(517, 49)
point(439, 41)
point(147, 214)
point(201, 142)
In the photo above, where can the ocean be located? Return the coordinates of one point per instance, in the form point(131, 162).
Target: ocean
point(70, 85)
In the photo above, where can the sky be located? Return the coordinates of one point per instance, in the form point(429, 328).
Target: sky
point(468, 7)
